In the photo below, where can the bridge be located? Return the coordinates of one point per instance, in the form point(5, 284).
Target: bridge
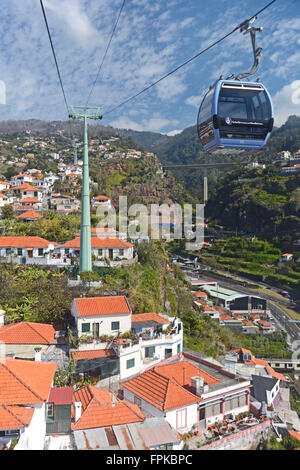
point(205, 167)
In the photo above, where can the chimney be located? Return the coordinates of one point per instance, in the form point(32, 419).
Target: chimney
point(2, 316)
point(197, 384)
point(38, 354)
point(78, 409)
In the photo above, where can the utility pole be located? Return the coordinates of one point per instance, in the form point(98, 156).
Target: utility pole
point(85, 260)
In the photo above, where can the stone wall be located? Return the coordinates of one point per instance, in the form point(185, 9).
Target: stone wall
point(243, 440)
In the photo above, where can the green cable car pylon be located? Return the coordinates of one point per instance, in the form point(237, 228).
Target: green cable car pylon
point(85, 260)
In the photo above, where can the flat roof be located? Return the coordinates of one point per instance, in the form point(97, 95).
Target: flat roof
point(225, 294)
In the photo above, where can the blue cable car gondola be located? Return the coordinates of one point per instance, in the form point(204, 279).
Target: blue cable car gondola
point(235, 113)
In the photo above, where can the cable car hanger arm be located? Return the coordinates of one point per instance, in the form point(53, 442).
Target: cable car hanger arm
point(246, 28)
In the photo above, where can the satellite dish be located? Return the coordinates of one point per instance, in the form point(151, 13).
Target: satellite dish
point(51, 247)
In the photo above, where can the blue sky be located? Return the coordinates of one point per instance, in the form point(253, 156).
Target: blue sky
point(152, 38)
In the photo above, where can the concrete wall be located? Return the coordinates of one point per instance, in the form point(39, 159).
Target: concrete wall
point(34, 435)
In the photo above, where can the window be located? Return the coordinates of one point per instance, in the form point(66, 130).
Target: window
point(115, 325)
point(121, 252)
point(50, 410)
point(178, 348)
point(149, 351)
point(166, 447)
point(41, 252)
point(181, 418)
point(67, 251)
point(85, 327)
point(100, 252)
point(20, 251)
point(130, 363)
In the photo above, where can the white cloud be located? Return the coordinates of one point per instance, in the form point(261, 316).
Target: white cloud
point(175, 132)
point(194, 101)
point(155, 124)
point(73, 17)
point(287, 102)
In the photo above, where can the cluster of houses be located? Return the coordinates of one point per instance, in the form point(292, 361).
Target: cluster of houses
point(243, 313)
point(290, 163)
point(107, 250)
point(150, 393)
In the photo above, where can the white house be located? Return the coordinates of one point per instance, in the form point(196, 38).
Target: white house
point(28, 250)
point(101, 201)
point(112, 251)
point(21, 179)
point(26, 190)
point(286, 257)
point(98, 316)
point(4, 185)
point(5, 199)
point(25, 387)
point(159, 394)
point(63, 204)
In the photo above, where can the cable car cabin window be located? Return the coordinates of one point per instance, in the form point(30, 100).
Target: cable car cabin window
point(205, 127)
point(205, 112)
point(244, 105)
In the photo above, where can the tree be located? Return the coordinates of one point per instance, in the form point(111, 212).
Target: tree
point(7, 212)
point(88, 277)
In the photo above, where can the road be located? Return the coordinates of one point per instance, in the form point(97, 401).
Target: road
point(280, 316)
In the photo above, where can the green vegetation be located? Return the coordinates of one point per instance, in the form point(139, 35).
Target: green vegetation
point(288, 443)
point(257, 259)
point(263, 346)
point(33, 294)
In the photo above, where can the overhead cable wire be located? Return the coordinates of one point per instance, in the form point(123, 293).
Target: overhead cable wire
point(191, 59)
point(106, 51)
point(56, 64)
point(54, 55)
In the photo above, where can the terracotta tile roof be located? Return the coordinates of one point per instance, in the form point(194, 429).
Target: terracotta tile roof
point(160, 391)
point(103, 229)
point(99, 243)
point(101, 198)
point(25, 382)
point(141, 317)
point(199, 293)
point(24, 242)
point(238, 315)
point(30, 200)
point(295, 434)
point(27, 333)
point(15, 417)
point(30, 215)
point(92, 354)
point(98, 410)
point(183, 371)
point(248, 323)
point(86, 394)
point(26, 187)
point(260, 362)
point(254, 316)
point(225, 317)
point(106, 305)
